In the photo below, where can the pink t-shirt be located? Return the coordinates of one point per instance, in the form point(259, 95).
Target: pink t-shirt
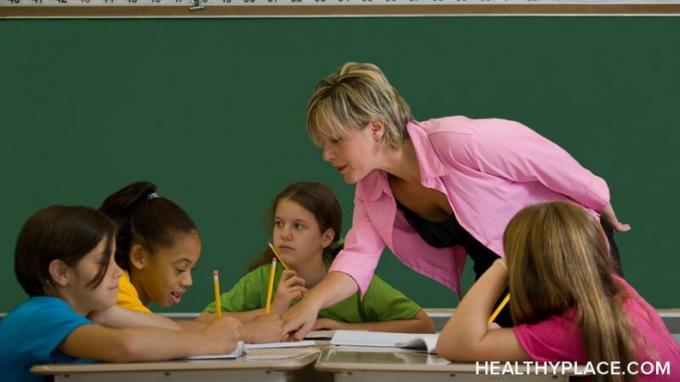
point(559, 339)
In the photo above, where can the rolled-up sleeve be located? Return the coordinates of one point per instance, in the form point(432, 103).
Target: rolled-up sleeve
point(511, 150)
point(363, 247)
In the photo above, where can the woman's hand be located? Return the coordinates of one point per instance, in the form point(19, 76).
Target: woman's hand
point(300, 319)
point(608, 214)
point(291, 287)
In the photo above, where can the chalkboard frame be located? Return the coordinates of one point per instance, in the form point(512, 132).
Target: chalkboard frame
point(623, 8)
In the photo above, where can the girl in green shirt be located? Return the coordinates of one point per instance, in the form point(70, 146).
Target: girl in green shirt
point(306, 221)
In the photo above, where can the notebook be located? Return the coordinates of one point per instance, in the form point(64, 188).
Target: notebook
point(320, 335)
point(242, 348)
point(415, 341)
point(273, 345)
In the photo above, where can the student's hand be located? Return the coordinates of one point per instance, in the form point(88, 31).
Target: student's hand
point(221, 336)
point(265, 328)
point(327, 324)
point(291, 286)
point(608, 214)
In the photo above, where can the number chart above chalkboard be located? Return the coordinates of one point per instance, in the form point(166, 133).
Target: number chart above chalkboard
point(327, 8)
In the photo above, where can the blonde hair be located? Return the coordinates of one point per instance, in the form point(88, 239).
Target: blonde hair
point(558, 259)
point(353, 96)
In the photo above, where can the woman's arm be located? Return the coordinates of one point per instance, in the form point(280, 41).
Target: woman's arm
point(467, 336)
point(119, 317)
point(510, 150)
point(335, 287)
point(148, 343)
point(421, 323)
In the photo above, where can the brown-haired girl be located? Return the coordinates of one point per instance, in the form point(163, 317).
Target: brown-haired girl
point(306, 223)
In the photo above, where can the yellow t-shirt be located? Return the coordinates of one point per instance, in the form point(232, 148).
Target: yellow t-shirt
point(127, 295)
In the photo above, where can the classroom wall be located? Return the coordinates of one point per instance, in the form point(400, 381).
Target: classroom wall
point(212, 111)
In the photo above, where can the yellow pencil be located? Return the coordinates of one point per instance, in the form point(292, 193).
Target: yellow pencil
point(270, 287)
point(218, 298)
point(278, 255)
point(500, 307)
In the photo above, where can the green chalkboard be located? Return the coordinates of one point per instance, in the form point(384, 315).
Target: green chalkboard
point(212, 111)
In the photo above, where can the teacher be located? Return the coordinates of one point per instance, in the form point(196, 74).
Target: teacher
point(433, 192)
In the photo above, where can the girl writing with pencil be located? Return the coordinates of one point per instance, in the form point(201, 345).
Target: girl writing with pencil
point(158, 245)
point(568, 303)
point(64, 262)
point(434, 192)
point(306, 223)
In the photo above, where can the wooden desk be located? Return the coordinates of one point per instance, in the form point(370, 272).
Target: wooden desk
point(290, 364)
point(358, 364)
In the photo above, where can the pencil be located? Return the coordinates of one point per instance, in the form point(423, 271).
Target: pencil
point(218, 298)
point(499, 308)
point(278, 255)
point(270, 287)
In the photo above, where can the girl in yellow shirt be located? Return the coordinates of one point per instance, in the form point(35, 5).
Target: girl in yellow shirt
point(157, 246)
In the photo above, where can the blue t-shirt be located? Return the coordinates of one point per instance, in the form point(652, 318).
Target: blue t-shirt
point(31, 334)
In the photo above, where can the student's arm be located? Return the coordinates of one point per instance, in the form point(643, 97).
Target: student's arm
point(149, 344)
point(290, 287)
point(192, 325)
point(467, 336)
point(385, 308)
point(119, 317)
point(257, 327)
point(241, 316)
point(421, 323)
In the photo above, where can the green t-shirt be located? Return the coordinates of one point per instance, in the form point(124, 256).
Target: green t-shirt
point(380, 303)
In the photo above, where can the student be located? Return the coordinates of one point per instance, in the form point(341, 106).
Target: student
point(567, 301)
point(306, 221)
point(158, 245)
point(63, 261)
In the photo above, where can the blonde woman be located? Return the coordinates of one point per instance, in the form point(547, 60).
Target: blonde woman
point(433, 192)
point(567, 303)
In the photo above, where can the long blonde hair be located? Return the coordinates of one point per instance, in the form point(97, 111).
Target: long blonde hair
point(558, 259)
point(353, 96)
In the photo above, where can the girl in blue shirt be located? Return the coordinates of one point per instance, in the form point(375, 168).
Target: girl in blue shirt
point(64, 262)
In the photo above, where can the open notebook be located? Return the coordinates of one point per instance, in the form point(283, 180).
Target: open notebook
point(320, 335)
point(422, 342)
point(242, 348)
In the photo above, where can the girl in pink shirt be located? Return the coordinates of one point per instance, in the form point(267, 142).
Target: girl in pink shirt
point(433, 192)
point(566, 302)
